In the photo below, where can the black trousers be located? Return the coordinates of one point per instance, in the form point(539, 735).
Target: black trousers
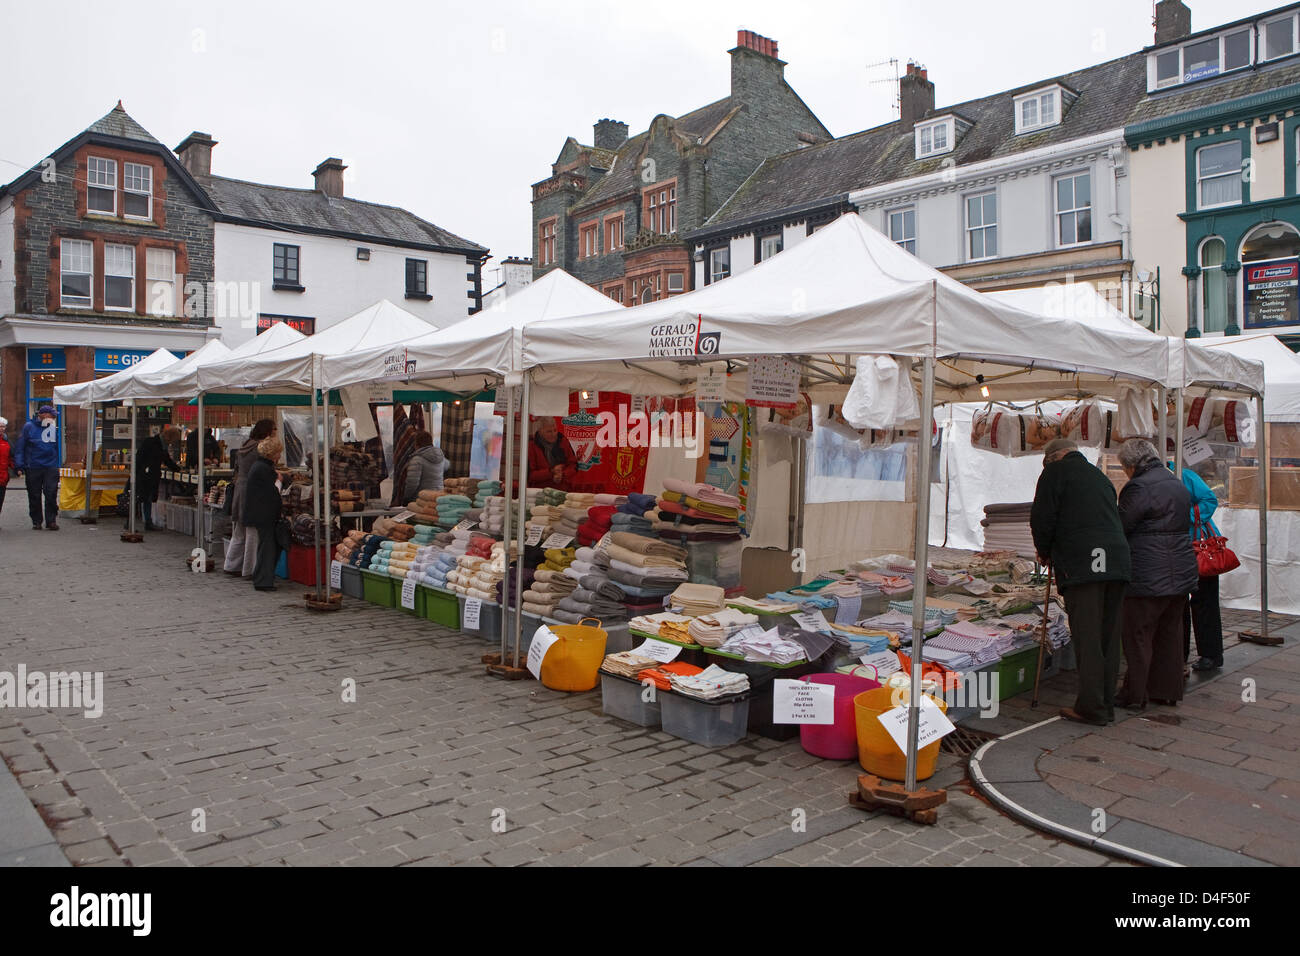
point(268, 553)
point(1155, 671)
point(42, 482)
point(1203, 616)
point(3, 488)
point(1096, 628)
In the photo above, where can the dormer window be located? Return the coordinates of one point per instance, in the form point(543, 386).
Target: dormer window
point(1277, 37)
point(1039, 109)
point(1211, 56)
point(935, 138)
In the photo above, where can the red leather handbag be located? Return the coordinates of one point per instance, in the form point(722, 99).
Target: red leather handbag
point(1213, 556)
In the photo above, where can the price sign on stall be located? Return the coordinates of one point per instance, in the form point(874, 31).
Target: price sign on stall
point(473, 612)
point(557, 540)
point(799, 702)
point(811, 620)
point(660, 651)
point(934, 724)
point(543, 638)
point(883, 663)
point(336, 575)
point(403, 516)
point(533, 536)
point(408, 593)
point(464, 525)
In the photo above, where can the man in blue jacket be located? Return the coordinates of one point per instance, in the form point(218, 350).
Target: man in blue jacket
point(36, 457)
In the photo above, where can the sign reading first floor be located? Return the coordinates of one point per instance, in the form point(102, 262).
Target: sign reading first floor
point(1271, 293)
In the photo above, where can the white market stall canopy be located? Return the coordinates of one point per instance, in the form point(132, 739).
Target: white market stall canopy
point(115, 387)
point(1070, 300)
point(487, 344)
point(173, 381)
point(848, 290)
point(1281, 372)
point(292, 365)
point(185, 383)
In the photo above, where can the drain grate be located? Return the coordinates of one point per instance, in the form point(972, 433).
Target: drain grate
point(963, 742)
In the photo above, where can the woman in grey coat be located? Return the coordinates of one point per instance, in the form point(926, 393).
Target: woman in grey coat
point(242, 554)
point(425, 469)
point(1154, 507)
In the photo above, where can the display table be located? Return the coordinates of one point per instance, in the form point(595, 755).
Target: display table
point(107, 484)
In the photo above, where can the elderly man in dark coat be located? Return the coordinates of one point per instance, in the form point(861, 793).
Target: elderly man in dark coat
point(1076, 528)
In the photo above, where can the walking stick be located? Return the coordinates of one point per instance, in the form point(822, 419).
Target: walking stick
point(1042, 640)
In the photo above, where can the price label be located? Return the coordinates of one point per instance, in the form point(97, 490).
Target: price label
point(883, 663)
point(811, 621)
point(800, 702)
point(469, 621)
point(336, 575)
point(557, 540)
point(660, 651)
point(934, 724)
point(1196, 450)
point(464, 525)
point(543, 638)
point(533, 535)
point(404, 516)
point(408, 593)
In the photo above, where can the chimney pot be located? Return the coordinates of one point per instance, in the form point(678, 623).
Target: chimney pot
point(915, 96)
point(1173, 21)
point(195, 154)
point(329, 177)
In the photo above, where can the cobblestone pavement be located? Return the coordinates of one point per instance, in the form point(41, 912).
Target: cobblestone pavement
point(227, 701)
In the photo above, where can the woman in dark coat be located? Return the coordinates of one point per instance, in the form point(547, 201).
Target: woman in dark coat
point(1154, 508)
point(261, 510)
point(242, 554)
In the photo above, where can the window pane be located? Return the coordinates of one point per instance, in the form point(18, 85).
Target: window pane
point(119, 261)
point(973, 207)
point(909, 223)
point(991, 241)
point(117, 292)
point(1029, 113)
point(1064, 193)
point(1277, 38)
point(99, 200)
point(1220, 158)
point(1167, 68)
point(1083, 190)
point(926, 140)
point(76, 285)
point(990, 208)
point(1236, 50)
point(136, 204)
point(941, 137)
point(1214, 300)
point(1212, 253)
point(1067, 229)
point(76, 255)
point(160, 264)
point(160, 298)
point(1048, 108)
point(977, 244)
point(1221, 189)
point(1201, 59)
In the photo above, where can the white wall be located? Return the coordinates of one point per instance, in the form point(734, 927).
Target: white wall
point(7, 275)
point(337, 284)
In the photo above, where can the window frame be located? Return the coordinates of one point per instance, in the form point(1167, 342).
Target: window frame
point(948, 125)
point(902, 243)
point(669, 284)
point(1261, 39)
point(152, 281)
point(128, 191)
point(284, 282)
point(420, 272)
point(1241, 157)
point(659, 208)
point(1252, 32)
point(614, 230)
point(610, 291)
point(1074, 210)
point(546, 245)
point(589, 239)
point(89, 298)
point(712, 272)
point(761, 241)
point(130, 276)
point(983, 227)
point(1048, 94)
point(1203, 278)
point(110, 189)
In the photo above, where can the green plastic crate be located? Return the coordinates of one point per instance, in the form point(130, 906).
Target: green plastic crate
point(419, 609)
point(1016, 672)
point(378, 588)
point(440, 606)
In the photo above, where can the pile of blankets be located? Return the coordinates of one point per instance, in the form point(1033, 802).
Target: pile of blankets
point(694, 511)
point(652, 624)
point(484, 491)
point(714, 629)
point(698, 600)
point(645, 568)
point(548, 588)
point(596, 595)
point(397, 530)
point(492, 521)
point(710, 684)
point(1006, 528)
point(467, 487)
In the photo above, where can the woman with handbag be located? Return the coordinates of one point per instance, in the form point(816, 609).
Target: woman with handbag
point(261, 511)
point(242, 553)
point(1203, 605)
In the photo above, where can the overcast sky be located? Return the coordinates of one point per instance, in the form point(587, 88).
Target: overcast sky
point(453, 110)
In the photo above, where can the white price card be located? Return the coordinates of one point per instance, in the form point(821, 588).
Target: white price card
point(557, 540)
point(464, 525)
point(711, 385)
point(811, 621)
point(403, 516)
point(469, 621)
point(336, 575)
point(801, 702)
point(408, 593)
point(660, 651)
point(883, 663)
point(934, 724)
point(533, 535)
point(543, 638)
point(638, 404)
point(1196, 450)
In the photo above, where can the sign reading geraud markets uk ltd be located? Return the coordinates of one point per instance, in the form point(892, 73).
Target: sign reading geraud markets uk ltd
point(1272, 289)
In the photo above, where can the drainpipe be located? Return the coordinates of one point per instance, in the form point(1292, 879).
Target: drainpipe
point(1114, 154)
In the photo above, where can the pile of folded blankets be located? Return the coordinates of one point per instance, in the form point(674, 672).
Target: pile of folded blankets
point(597, 524)
point(698, 600)
point(394, 558)
point(297, 499)
point(768, 646)
point(476, 576)
point(345, 500)
point(452, 509)
point(636, 515)
point(467, 487)
point(626, 664)
point(1006, 528)
point(711, 683)
point(431, 569)
point(558, 559)
point(349, 546)
point(548, 588)
point(397, 530)
point(485, 490)
point(655, 624)
point(693, 511)
point(424, 507)
point(596, 595)
point(492, 520)
point(714, 629)
point(645, 568)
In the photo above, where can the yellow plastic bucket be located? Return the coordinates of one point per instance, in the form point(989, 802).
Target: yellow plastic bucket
point(877, 752)
point(573, 662)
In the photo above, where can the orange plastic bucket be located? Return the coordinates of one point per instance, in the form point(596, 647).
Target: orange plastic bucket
point(877, 752)
point(573, 662)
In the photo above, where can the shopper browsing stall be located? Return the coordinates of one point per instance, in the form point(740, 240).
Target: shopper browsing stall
point(149, 463)
point(425, 469)
point(261, 511)
point(241, 556)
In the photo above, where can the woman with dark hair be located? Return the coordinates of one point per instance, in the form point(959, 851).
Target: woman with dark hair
point(261, 510)
point(1154, 508)
point(551, 462)
point(425, 469)
point(242, 553)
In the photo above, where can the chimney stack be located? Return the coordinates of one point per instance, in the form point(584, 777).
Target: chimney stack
point(329, 177)
point(195, 154)
point(915, 95)
point(755, 66)
point(609, 134)
point(1173, 21)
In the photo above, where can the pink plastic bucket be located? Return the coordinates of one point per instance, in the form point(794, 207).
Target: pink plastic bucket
point(837, 741)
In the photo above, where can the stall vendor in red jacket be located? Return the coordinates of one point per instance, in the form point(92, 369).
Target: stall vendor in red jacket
point(551, 462)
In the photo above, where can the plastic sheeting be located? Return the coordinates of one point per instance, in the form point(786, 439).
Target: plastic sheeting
point(1240, 588)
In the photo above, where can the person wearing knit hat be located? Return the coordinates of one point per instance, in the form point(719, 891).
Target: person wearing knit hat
point(36, 458)
point(1077, 531)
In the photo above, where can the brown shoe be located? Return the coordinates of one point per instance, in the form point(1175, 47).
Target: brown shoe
point(1069, 713)
point(1252, 637)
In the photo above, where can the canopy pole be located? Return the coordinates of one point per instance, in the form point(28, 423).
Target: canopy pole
point(92, 513)
point(323, 560)
point(1261, 454)
point(922, 553)
point(315, 479)
point(135, 421)
point(201, 517)
point(1179, 425)
point(507, 470)
point(1163, 399)
point(523, 509)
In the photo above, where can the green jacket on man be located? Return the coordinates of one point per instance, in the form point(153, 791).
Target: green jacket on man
point(1076, 525)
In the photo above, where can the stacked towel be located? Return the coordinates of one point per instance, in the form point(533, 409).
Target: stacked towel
point(767, 646)
point(466, 487)
point(485, 490)
point(713, 630)
point(397, 530)
point(651, 623)
point(697, 600)
point(597, 524)
point(494, 512)
point(711, 683)
point(611, 501)
point(626, 664)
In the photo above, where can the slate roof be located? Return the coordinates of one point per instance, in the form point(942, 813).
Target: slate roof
point(623, 175)
point(117, 122)
point(311, 211)
point(1216, 92)
point(1107, 94)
